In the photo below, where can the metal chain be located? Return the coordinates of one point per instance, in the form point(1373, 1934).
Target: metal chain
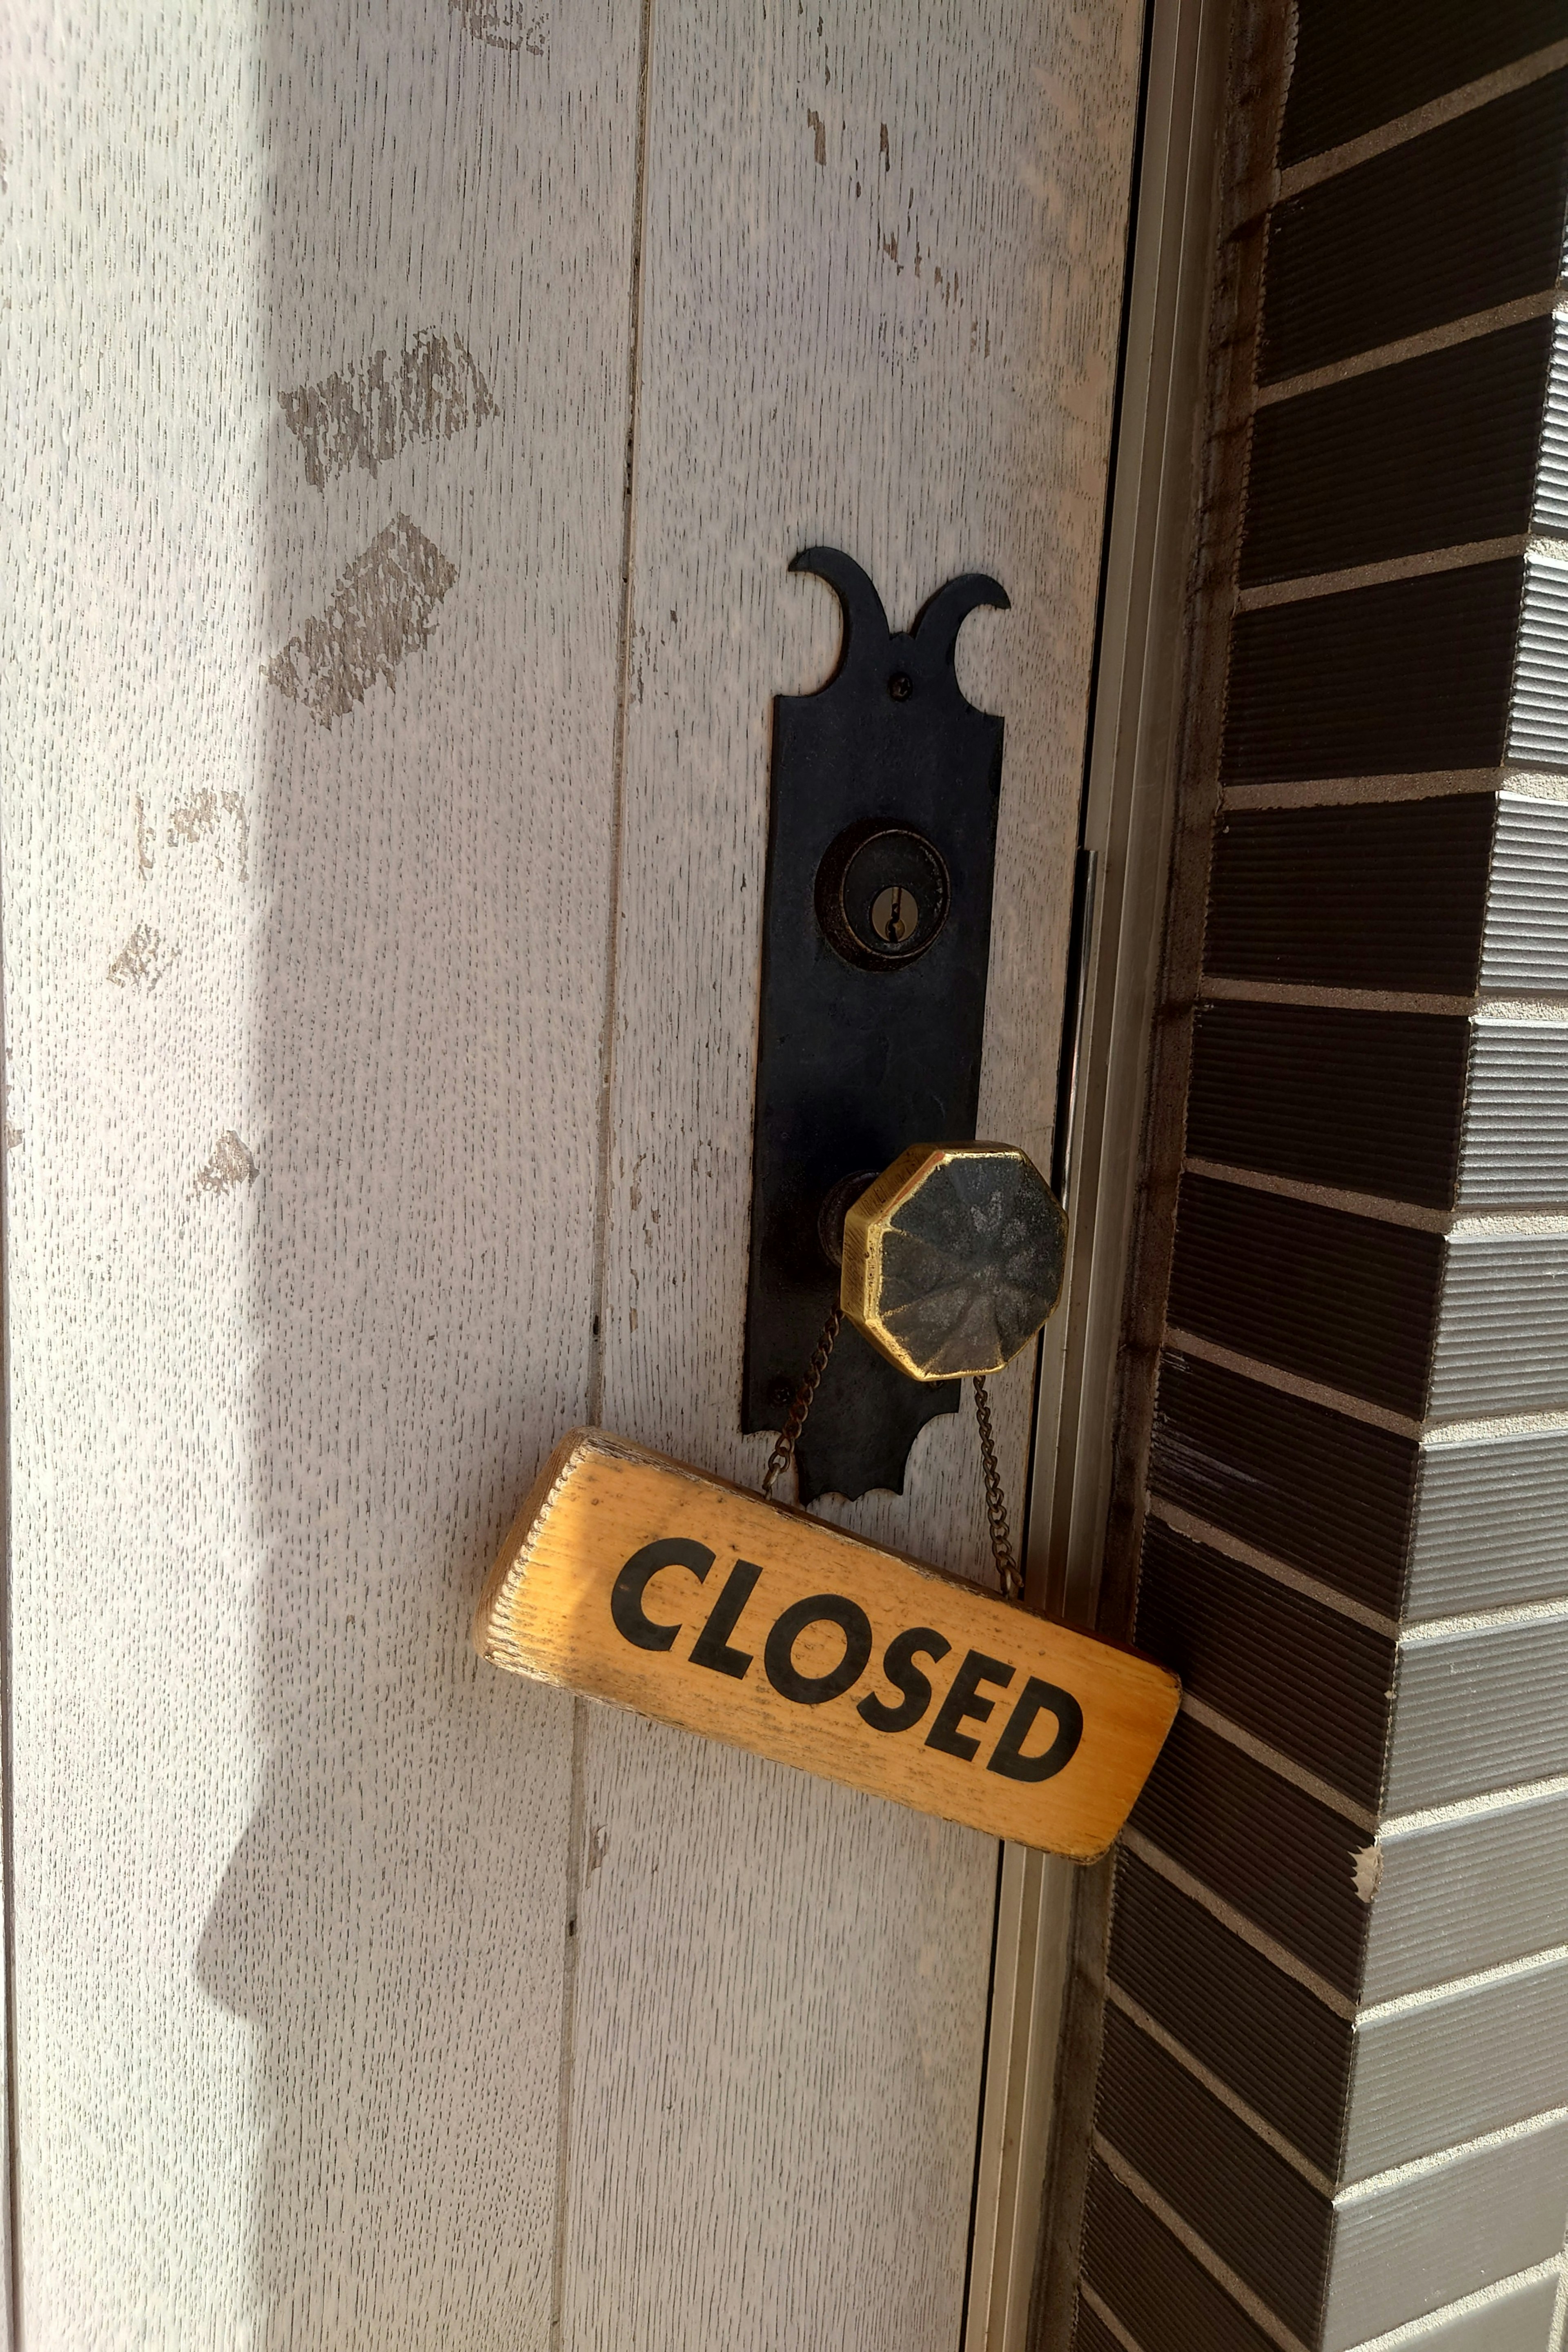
point(789, 1435)
point(995, 1500)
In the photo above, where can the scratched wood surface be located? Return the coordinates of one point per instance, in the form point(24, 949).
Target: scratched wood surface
point(307, 856)
point(880, 299)
point(363, 1998)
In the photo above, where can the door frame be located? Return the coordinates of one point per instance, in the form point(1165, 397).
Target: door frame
point(1127, 823)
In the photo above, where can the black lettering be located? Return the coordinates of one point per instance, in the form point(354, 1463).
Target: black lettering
point(960, 1705)
point(625, 1595)
point(1008, 1757)
point(920, 1642)
point(711, 1646)
point(819, 1609)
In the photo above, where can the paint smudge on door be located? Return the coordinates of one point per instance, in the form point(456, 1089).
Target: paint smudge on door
point(819, 134)
point(382, 609)
point(142, 961)
point(505, 24)
point(196, 820)
point(228, 1164)
point(365, 415)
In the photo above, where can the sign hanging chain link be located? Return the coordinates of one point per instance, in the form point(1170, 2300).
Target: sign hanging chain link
point(789, 1435)
point(779, 1460)
point(995, 1500)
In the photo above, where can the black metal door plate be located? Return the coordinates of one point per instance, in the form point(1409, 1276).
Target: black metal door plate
point(875, 937)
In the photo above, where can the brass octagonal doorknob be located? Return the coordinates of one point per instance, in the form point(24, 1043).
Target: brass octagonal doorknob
point(953, 1258)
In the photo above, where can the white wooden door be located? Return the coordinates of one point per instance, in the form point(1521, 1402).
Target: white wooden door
point(412, 408)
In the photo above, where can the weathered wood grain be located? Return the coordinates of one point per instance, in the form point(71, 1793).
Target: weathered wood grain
point(879, 295)
point(305, 1024)
point(785, 2059)
point(906, 349)
point(306, 1003)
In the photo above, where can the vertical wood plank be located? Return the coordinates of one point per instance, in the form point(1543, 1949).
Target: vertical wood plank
point(880, 291)
point(305, 1023)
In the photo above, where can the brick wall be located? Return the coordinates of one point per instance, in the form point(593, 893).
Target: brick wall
point(1331, 2101)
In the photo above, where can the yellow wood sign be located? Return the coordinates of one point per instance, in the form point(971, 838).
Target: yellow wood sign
point(630, 1578)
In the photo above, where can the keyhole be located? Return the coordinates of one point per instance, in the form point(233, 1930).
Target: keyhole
point(881, 895)
point(894, 913)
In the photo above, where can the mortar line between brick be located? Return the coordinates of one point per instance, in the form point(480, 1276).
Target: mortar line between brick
point(1467, 1222)
point(1448, 107)
point(1203, 2254)
point(1530, 784)
point(1283, 1768)
point(1468, 330)
point(1308, 586)
point(1197, 1530)
point(1219, 2090)
point(1106, 2318)
point(1237, 1924)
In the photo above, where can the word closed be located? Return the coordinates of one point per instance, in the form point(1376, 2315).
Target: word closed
point(630, 1578)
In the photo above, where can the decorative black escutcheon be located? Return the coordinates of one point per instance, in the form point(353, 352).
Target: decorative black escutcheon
point(875, 939)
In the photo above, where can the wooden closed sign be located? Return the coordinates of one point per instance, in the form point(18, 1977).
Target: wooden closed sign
point(630, 1578)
